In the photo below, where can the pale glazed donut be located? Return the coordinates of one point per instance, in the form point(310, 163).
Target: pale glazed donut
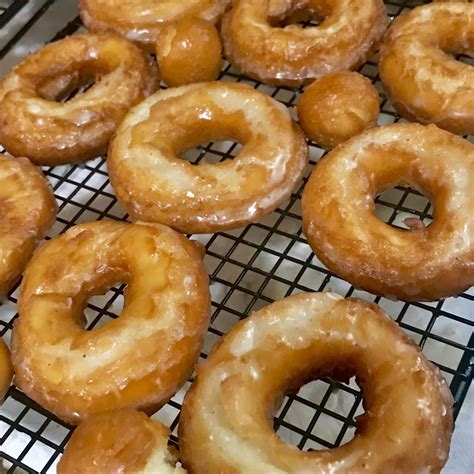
point(35, 125)
point(153, 184)
point(293, 56)
point(121, 441)
point(340, 224)
point(138, 360)
point(142, 20)
point(424, 83)
point(225, 422)
point(27, 211)
point(337, 107)
point(189, 50)
point(6, 369)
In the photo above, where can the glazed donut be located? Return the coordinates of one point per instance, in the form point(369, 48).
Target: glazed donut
point(27, 211)
point(189, 50)
point(225, 422)
point(337, 107)
point(293, 56)
point(122, 441)
point(339, 221)
point(139, 360)
point(142, 20)
point(424, 83)
point(35, 125)
point(153, 184)
point(6, 369)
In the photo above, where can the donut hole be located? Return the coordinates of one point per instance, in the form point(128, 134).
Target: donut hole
point(103, 306)
point(212, 152)
point(299, 17)
point(404, 208)
point(65, 87)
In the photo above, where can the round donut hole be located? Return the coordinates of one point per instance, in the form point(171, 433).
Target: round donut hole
point(212, 152)
point(63, 88)
point(302, 17)
point(104, 307)
point(404, 208)
point(318, 411)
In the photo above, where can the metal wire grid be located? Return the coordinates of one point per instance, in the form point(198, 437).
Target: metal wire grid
point(249, 268)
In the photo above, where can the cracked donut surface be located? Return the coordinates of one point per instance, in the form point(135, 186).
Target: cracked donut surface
point(138, 360)
point(226, 419)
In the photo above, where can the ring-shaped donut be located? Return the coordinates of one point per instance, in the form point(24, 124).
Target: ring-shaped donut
point(424, 83)
point(6, 369)
point(27, 211)
point(339, 221)
point(138, 360)
point(120, 441)
point(33, 123)
point(154, 184)
point(225, 423)
point(142, 20)
point(293, 56)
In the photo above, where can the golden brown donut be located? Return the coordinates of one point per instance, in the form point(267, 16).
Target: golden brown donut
point(6, 369)
point(138, 360)
point(337, 107)
point(189, 50)
point(339, 221)
point(121, 441)
point(424, 83)
point(142, 20)
point(27, 211)
point(154, 184)
point(33, 122)
point(225, 422)
point(292, 56)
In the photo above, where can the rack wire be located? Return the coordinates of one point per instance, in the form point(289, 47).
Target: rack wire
point(249, 268)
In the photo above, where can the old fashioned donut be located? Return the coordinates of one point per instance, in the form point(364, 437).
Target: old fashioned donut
point(6, 369)
point(425, 263)
point(153, 184)
point(121, 441)
point(292, 56)
point(225, 422)
point(27, 211)
point(425, 83)
point(142, 20)
point(189, 50)
point(337, 107)
point(138, 360)
point(33, 123)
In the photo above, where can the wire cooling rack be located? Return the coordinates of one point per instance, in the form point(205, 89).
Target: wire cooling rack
point(249, 268)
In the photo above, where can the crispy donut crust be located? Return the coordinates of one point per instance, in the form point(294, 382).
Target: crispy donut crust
point(225, 422)
point(121, 441)
point(35, 125)
point(293, 56)
point(141, 21)
point(154, 184)
point(423, 82)
point(27, 211)
point(6, 369)
point(138, 360)
point(339, 221)
point(337, 107)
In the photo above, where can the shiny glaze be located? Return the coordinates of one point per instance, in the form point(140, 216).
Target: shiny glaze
point(292, 56)
point(35, 125)
point(138, 360)
point(424, 263)
point(226, 419)
point(6, 369)
point(189, 50)
point(119, 442)
point(27, 211)
point(425, 83)
point(154, 184)
point(142, 20)
point(337, 107)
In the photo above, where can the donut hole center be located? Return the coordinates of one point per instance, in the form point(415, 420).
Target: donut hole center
point(321, 415)
point(212, 152)
point(299, 16)
point(104, 305)
point(63, 88)
point(404, 208)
